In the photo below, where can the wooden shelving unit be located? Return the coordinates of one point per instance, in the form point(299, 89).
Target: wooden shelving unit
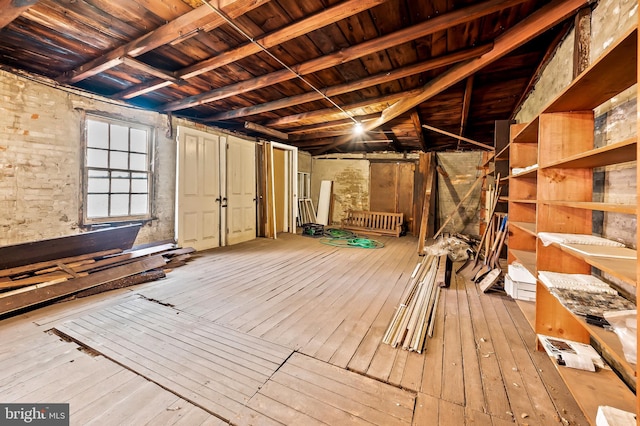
point(557, 197)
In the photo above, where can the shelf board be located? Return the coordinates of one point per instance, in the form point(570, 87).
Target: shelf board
point(623, 269)
point(604, 388)
point(620, 152)
point(587, 205)
point(522, 201)
point(526, 258)
point(528, 134)
point(613, 72)
point(527, 227)
point(529, 173)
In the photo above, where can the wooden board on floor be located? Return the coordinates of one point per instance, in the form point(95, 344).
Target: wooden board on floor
point(311, 389)
point(171, 349)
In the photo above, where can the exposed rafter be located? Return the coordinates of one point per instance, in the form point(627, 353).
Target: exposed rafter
point(352, 86)
point(200, 18)
point(11, 9)
point(428, 27)
point(297, 29)
point(535, 24)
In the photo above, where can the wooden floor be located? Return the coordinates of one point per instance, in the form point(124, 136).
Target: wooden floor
point(284, 331)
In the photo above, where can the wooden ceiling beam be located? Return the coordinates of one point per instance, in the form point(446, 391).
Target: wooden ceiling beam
point(417, 125)
point(460, 138)
point(266, 130)
point(466, 104)
point(319, 20)
point(11, 9)
point(328, 113)
point(141, 66)
point(345, 122)
point(353, 86)
point(538, 22)
point(180, 27)
point(438, 23)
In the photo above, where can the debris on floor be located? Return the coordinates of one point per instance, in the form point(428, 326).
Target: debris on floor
point(81, 265)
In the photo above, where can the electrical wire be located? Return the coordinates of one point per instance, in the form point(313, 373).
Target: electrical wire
point(265, 50)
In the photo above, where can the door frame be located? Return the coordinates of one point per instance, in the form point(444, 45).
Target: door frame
point(291, 184)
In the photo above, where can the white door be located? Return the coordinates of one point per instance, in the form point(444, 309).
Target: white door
point(198, 181)
point(241, 190)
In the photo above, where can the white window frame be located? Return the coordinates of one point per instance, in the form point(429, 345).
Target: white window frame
point(109, 171)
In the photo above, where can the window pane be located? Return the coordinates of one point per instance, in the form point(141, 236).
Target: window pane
point(98, 181)
point(138, 162)
point(138, 141)
point(139, 183)
point(139, 204)
point(120, 182)
point(97, 205)
point(119, 160)
point(97, 134)
point(97, 158)
point(119, 205)
point(119, 137)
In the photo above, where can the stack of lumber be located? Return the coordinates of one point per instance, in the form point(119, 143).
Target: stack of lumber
point(414, 318)
point(30, 283)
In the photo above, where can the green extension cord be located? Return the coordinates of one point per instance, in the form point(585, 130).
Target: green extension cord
point(339, 233)
point(353, 242)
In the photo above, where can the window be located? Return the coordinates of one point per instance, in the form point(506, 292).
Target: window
point(117, 171)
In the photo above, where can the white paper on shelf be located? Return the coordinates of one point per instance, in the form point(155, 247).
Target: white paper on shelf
point(611, 416)
point(584, 282)
point(519, 170)
point(580, 362)
point(582, 350)
point(549, 238)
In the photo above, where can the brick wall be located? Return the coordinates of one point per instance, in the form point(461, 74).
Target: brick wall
point(40, 160)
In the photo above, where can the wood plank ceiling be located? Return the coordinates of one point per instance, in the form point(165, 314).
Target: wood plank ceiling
point(302, 72)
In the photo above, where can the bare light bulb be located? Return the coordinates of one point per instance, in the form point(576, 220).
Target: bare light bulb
point(357, 129)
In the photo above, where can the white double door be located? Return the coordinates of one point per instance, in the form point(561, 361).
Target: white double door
point(216, 190)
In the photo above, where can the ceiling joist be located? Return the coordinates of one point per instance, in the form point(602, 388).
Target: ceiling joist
point(428, 27)
point(198, 18)
point(527, 29)
point(11, 9)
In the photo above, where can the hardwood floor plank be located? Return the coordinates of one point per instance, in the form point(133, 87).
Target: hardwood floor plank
point(193, 390)
point(450, 414)
point(249, 416)
point(412, 375)
point(541, 402)
point(427, 410)
point(281, 412)
point(298, 400)
point(492, 382)
point(432, 371)
point(473, 392)
point(376, 399)
point(565, 404)
point(453, 379)
point(513, 380)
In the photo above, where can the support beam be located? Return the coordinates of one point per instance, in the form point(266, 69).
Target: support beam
point(265, 130)
point(348, 87)
point(581, 41)
point(471, 141)
point(141, 66)
point(312, 23)
point(537, 23)
point(466, 104)
point(323, 115)
point(198, 19)
point(11, 9)
point(417, 125)
point(433, 25)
